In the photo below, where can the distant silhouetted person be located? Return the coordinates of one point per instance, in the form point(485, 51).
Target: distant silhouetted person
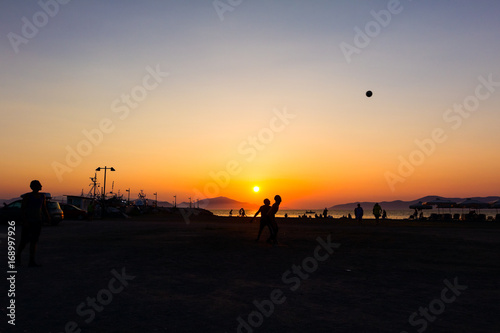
point(242, 212)
point(325, 213)
point(377, 211)
point(264, 217)
point(384, 214)
point(272, 214)
point(33, 209)
point(230, 213)
point(358, 213)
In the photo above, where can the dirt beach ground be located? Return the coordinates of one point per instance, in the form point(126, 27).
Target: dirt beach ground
point(159, 274)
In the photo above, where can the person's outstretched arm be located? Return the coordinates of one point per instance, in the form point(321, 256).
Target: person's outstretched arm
point(255, 215)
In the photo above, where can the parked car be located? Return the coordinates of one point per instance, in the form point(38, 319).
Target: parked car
point(55, 212)
point(72, 212)
point(12, 212)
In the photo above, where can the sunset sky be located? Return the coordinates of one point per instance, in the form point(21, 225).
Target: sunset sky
point(203, 99)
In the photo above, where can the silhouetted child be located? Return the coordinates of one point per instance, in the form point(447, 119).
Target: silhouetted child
point(33, 208)
point(272, 215)
point(264, 217)
point(242, 213)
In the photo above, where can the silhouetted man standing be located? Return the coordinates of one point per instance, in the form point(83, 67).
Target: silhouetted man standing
point(33, 208)
point(358, 213)
point(377, 211)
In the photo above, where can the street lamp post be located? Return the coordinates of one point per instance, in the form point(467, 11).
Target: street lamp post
point(156, 198)
point(175, 201)
point(105, 169)
point(128, 200)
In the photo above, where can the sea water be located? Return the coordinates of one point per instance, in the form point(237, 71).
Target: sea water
point(391, 214)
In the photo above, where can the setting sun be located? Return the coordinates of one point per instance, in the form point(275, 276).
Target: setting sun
point(256, 189)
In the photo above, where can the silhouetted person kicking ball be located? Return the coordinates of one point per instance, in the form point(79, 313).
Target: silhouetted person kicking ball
point(33, 208)
point(272, 215)
point(264, 217)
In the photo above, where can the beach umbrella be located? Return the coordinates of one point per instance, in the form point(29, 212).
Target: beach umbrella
point(473, 204)
point(495, 205)
point(441, 203)
point(420, 206)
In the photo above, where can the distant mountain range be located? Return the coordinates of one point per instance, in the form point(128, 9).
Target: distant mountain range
point(220, 203)
point(399, 204)
point(212, 203)
point(227, 203)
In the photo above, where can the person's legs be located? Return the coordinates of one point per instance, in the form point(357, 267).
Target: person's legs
point(271, 232)
point(35, 234)
point(274, 233)
point(22, 245)
point(32, 254)
point(262, 226)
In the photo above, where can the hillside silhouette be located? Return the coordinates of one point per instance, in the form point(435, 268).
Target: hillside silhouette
point(400, 204)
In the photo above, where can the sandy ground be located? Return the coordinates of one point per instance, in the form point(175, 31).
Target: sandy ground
point(159, 274)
